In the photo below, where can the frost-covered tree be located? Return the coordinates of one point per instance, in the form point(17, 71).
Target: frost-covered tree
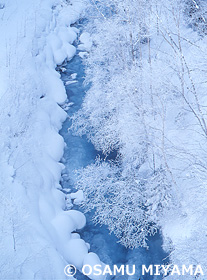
point(13, 235)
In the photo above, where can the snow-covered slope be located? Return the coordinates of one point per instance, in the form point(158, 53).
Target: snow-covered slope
point(36, 239)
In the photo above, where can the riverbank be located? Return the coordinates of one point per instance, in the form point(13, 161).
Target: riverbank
point(36, 239)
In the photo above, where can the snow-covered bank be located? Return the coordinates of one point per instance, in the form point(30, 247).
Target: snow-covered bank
point(36, 238)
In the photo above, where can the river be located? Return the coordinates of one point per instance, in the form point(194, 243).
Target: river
point(79, 153)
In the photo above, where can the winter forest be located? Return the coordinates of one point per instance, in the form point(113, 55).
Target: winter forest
point(103, 124)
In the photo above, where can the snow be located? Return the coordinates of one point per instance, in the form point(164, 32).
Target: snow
point(73, 76)
point(37, 236)
point(70, 82)
point(75, 251)
point(86, 42)
point(78, 197)
point(82, 54)
point(91, 259)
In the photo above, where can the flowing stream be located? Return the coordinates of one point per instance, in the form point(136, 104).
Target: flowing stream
point(79, 153)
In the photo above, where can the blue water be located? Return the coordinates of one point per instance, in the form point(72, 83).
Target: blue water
point(79, 153)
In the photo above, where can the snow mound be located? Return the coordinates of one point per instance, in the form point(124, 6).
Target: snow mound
point(86, 42)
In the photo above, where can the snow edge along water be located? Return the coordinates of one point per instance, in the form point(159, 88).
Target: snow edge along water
point(37, 239)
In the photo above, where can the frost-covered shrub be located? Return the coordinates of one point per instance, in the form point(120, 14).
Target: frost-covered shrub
point(130, 207)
